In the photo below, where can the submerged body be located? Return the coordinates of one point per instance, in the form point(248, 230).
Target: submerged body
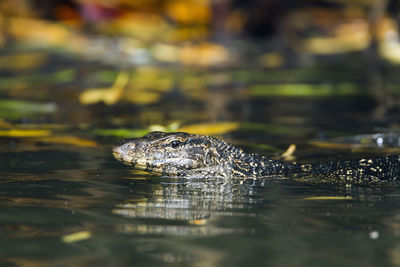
point(188, 155)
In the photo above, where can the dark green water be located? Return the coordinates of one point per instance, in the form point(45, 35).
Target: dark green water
point(50, 191)
point(141, 220)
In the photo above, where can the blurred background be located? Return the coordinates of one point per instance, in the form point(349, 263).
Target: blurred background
point(121, 68)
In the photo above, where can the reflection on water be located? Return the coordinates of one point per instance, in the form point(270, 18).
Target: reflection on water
point(195, 203)
point(135, 218)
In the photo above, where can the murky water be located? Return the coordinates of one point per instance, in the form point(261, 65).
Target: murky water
point(135, 219)
point(68, 204)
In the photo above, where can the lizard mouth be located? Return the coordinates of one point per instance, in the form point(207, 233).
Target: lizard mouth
point(166, 166)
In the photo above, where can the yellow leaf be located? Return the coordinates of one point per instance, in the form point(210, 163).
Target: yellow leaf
point(142, 25)
point(94, 96)
point(78, 236)
point(388, 35)
point(210, 128)
point(205, 54)
point(288, 154)
point(24, 133)
point(109, 96)
point(198, 221)
point(390, 51)
point(40, 31)
point(189, 12)
point(139, 178)
point(68, 140)
point(333, 145)
point(329, 198)
point(164, 52)
point(349, 37)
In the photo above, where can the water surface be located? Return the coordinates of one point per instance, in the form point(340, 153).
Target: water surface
point(67, 202)
point(138, 219)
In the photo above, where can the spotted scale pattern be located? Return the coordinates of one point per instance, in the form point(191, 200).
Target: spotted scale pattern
point(187, 155)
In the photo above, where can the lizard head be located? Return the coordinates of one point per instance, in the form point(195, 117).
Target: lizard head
point(175, 154)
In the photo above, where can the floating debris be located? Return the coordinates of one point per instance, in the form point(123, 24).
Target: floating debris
point(77, 236)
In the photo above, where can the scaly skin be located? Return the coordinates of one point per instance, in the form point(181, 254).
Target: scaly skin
point(188, 155)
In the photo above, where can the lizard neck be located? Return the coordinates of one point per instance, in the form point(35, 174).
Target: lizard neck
point(245, 164)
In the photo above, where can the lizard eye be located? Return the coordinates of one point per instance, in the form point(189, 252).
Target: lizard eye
point(175, 144)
